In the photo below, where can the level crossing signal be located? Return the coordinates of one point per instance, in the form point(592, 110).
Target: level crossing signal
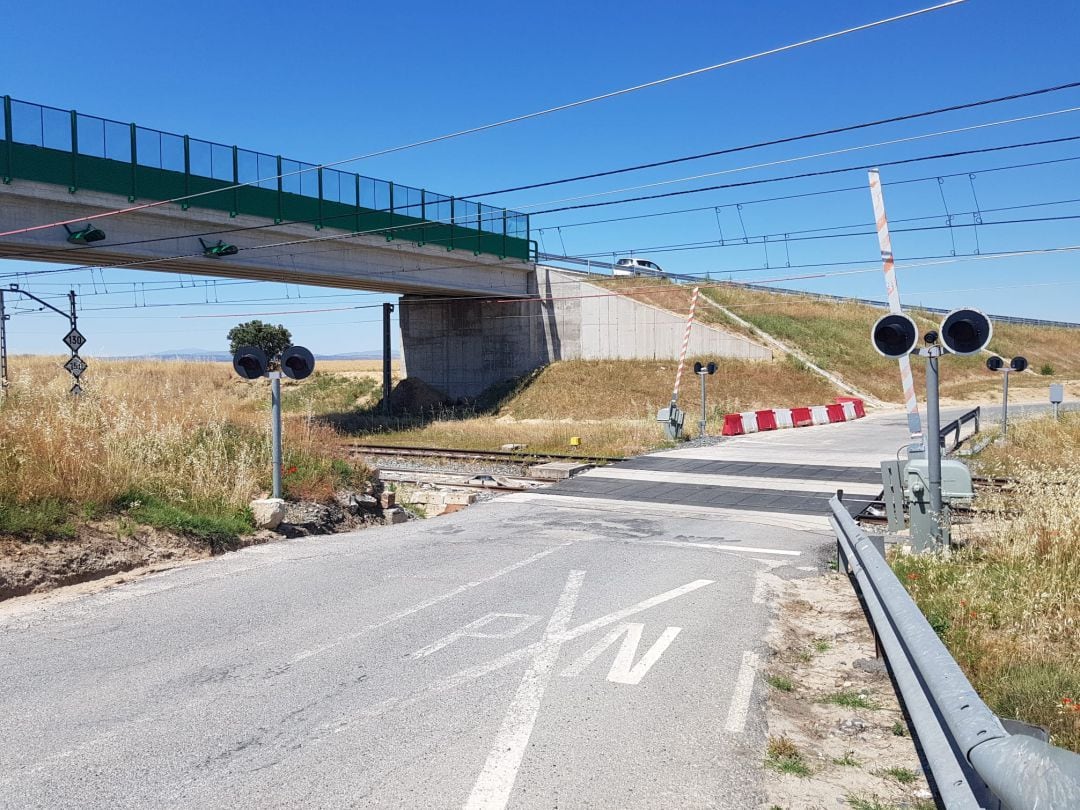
point(963, 332)
point(1018, 363)
point(894, 335)
point(250, 362)
point(966, 331)
point(709, 368)
point(297, 362)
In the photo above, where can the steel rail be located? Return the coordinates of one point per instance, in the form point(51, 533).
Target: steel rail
point(521, 456)
point(974, 761)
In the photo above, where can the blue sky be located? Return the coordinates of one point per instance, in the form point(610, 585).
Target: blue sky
point(347, 78)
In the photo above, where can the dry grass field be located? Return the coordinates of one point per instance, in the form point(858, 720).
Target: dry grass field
point(836, 336)
point(1008, 602)
point(188, 443)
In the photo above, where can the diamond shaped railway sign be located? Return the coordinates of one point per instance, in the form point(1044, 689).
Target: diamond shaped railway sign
point(75, 366)
point(74, 340)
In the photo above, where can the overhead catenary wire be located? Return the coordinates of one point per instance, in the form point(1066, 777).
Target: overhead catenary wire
point(515, 119)
point(844, 189)
point(814, 156)
point(778, 141)
point(760, 239)
point(818, 173)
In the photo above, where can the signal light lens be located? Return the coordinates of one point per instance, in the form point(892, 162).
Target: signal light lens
point(1019, 363)
point(894, 335)
point(994, 363)
point(297, 363)
point(250, 362)
point(966, 331)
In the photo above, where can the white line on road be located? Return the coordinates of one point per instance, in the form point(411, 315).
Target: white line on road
point(702, 546)
point(740, 699)
point(792, 485)
point(401, 614)
point(496, 780)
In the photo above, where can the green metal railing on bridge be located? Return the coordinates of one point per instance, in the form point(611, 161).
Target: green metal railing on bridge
point(67, 148)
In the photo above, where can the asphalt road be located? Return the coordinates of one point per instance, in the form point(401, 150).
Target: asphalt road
point(530, 652)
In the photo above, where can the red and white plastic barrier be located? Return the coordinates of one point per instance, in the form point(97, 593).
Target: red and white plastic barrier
point(845, 409)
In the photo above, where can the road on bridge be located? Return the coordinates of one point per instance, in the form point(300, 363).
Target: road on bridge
point(596, 646)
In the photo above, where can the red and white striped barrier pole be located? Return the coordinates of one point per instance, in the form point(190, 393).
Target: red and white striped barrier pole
point(885, 242)
point(685, 345)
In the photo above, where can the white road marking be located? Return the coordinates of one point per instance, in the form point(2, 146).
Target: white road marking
point(472, 630)
point(794, 485)
point(740, 698)
point(702, 546)
point(409, 611)
point(781, 520)
point(496, 780)
point(479, 670)
point(623, 669)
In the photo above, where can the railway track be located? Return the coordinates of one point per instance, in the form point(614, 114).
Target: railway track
point(513, 456)
point(481, 481)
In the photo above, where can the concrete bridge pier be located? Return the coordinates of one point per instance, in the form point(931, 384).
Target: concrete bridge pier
point(462, 346)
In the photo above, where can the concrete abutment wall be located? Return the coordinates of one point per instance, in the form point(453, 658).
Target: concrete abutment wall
point(462, 347)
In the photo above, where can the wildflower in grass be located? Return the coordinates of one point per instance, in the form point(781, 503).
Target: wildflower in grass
point(913, 576)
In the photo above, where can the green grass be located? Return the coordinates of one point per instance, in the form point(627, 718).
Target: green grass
point(780, 682)
point(849, 699)
point(821, 646)
point(218, 524)
point(47, 519)
point(872, 803)
point(782, 755)
point(899, 729)
point(905, 776)
point(847, 760)
point(324, 393)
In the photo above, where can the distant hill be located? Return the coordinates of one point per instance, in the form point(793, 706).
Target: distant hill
point(209, 356)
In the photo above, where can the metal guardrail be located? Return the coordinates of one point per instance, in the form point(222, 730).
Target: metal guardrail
point(969, 757)
point(954, 427)
point(65, 147)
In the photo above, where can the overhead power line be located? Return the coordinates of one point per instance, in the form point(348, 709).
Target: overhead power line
point(777, 141)
point(861, 187)
point(819, 173)
point(814, 156)
point(514, 119)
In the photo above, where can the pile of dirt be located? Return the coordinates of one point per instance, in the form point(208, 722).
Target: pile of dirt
point(99, 550)
point(103, 548)
point(414, 396)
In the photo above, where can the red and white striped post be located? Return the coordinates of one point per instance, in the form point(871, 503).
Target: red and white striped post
point(885, 242)
point(685, 345)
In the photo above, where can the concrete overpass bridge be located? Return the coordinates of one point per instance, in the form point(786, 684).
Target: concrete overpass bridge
point(300, 223)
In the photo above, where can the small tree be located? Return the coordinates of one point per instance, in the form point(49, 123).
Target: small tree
point(271, 339)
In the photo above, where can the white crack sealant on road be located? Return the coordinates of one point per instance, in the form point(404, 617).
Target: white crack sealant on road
point(740, 699)
point(496, 780)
